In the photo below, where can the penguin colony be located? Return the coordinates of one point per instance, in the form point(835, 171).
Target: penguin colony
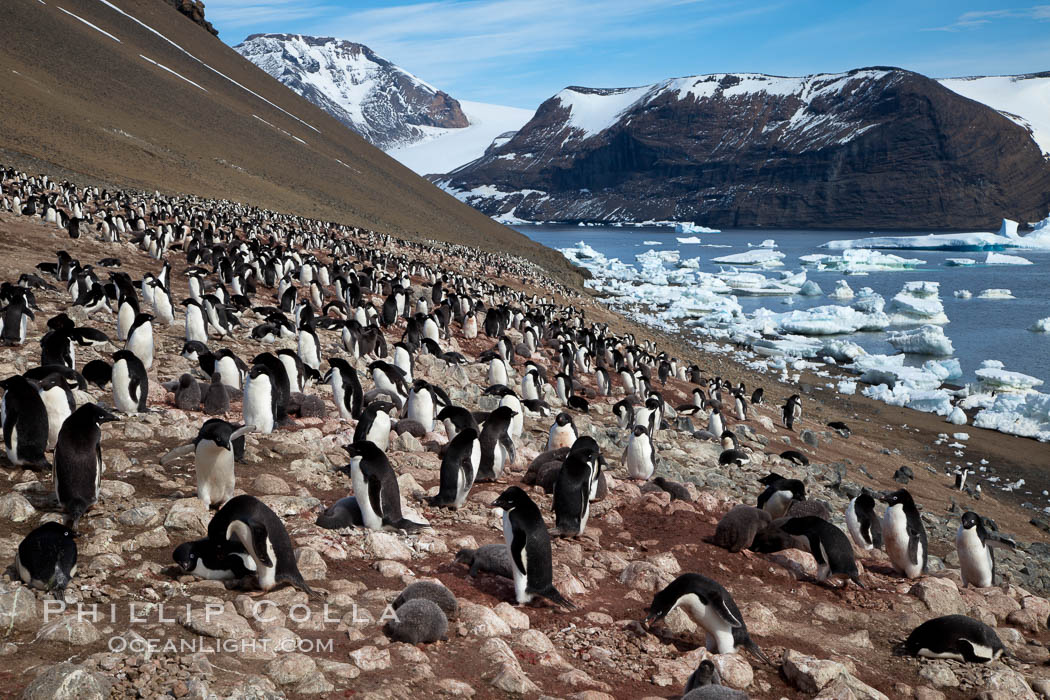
point(358, 322)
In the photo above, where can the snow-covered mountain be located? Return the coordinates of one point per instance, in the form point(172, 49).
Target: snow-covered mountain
point(1023, 98)
point(870, 148)
point(386, 104)
point(443, 150)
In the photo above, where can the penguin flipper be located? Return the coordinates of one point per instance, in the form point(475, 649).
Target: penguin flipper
point(913, 545)
point(508, 444)
point(179, 451)
point(517, 546)
point(720, 606)
point(243, 430)
point(259, 539)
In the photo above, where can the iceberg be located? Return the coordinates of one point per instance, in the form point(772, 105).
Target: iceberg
point(690, 240)
point(652, 242)
point(1027, 415)
point(842, 291)
point(957, 416)
point(927, 340)
point(1040, 326)
point(823, 320)
point(768, 243)
point(810, 289)
point(847, 387)
point(960, 262)
point(1038, 239)
point(918, 302)
point(759, 257)
point(992, 377)
point(963, 294)
point(854, 260)
point(690, 227)
point(1000, 259)
point(996, 294)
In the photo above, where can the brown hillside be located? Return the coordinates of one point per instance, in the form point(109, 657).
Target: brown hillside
point(80, 102)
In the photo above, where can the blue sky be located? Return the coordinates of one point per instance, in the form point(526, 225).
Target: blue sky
point(520, 52)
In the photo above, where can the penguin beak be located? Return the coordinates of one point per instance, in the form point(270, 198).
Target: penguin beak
point(651, 618)
point(108, 418)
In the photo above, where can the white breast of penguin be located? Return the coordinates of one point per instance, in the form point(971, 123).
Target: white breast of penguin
point(57, 411)
point(371, 519)
point(517, 423)
point(895, 536)
point(257, 408)
point(379, 432)
point(338, 394)
point(215, 475)
point(421, 408)
point(230, 372)
point(707, 617)
point(974, 558)
point(853, 524)
point(122, 398)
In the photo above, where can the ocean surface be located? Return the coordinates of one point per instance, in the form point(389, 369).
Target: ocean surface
point(980, 329)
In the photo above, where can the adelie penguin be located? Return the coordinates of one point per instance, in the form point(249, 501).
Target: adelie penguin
point(130, 382)
point(59, 403)
point(187, 393)
point(203, 559)
point(562, 434)
point(572, 496)
point(497, 447)
point(458, 469)
point(711, 607)
point(904, 534)
point(213, 451)
point(974, 545)
point(140, 339)
point(250, 522)
point(260, 399)
point(640, 455)
point(530, 548)
point(792, 411)
point(374, 424)
point(25, 424)
point(955, 637)
point(863, 524)
point(346, 388)
point(47, 557)
point(779, 494)
point(375, 487)
point(829, 546)
point(78, 461)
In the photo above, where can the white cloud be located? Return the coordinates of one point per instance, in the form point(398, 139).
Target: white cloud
point(979, 18)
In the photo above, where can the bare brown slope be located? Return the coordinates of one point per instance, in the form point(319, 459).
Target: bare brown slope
point(77, 99)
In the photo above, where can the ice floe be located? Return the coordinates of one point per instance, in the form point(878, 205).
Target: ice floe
point(690, 227)
point(917, 302)
point(927, 340)
point(759, 257)
point(689, 240)
point(1006, 238)
point(963, 294)
point(860, 260)
point(996, 294)
point(1040, 326)
point(1000, 259)
point(810, 289)
point(842, 290)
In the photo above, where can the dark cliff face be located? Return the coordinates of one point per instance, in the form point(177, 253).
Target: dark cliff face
point(366, 92)
point(873, 149)
point(193, 9)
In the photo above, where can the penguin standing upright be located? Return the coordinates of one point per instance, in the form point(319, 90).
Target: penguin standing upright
point(14, 321)
point(346, 388)
point(420, 405)
point(715, 424)
point(374, 424)
point(792, 411)
point(249, 521)
point(530, 548)
point(376, 489)
point(216, 396)
point(458, 469)
point(904, 534)
point(78, 461)
point(260, 399)
point(974, 545)
point(25, 423)
point(562, 434)
point(130, 382)
point(213, 449)
point(497, 446)
point(59, 403)
point(640, 454)
point(711, 607)
point(864, 526)
point(196, 322)
point(572, 496)
point(47, 557)
point(140, 339)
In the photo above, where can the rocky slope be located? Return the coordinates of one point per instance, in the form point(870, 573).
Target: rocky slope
point(824, 642)
point(194, 11)
point(386, 104)
point(877, 148)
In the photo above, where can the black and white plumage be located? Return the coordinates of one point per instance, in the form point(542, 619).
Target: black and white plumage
point(47, 558)
point(130, 382)
point(459, 466)
point(779, 494)
point(711, 607)
point(249, 521)
point(376, 489)
point(863, 524)
point(213, 450)
point(346, 388)
point(25, 423)
point(792, 411)
point(530, 548)
point(497, 446)
point(904, 534)
point(829, 546)
point(974, 545)
point(955, 637)
point(572, 495)
point(203, 559)
point(78, 461)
